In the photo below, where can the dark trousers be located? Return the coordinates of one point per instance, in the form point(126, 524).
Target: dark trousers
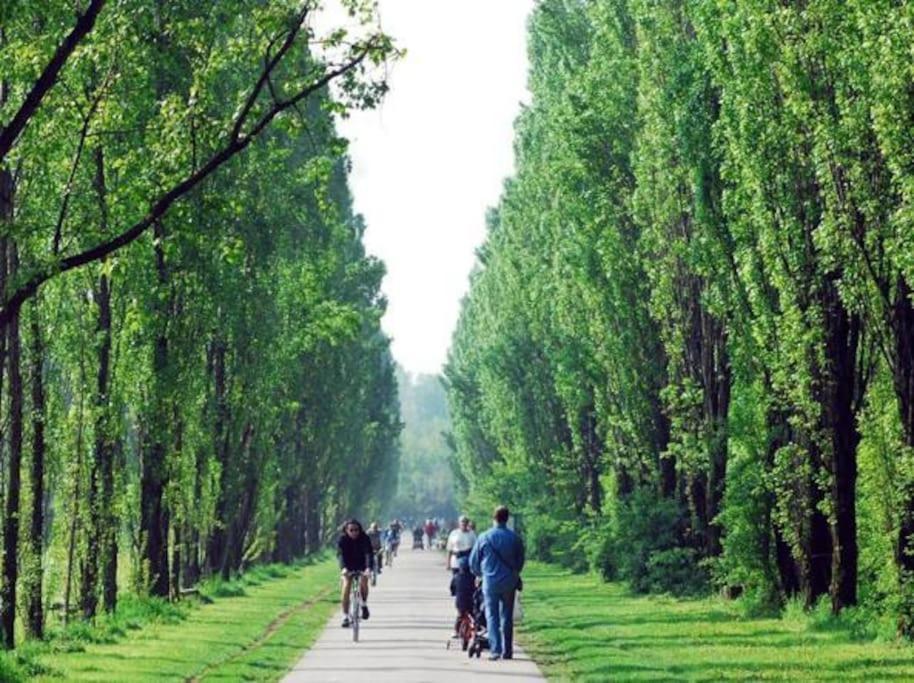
point(500, 615)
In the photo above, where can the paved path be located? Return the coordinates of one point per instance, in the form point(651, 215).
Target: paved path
point(412, 616)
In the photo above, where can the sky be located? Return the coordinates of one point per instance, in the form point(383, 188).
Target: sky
point(430, 161)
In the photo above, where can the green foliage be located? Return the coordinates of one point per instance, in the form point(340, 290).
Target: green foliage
point(694, 302)
point(218, 389)
point(646, 547)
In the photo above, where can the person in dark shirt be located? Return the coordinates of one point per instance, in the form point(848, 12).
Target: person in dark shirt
point(355, 555)
point(463, 584)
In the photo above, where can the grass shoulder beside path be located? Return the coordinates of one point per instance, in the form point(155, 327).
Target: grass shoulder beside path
point(579, 628)
point(255, 628)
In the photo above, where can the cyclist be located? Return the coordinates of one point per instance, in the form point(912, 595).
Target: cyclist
point(393, 538)
point(355, 555)
point(374, 535)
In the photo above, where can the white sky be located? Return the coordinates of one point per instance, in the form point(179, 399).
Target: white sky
point(428, 163)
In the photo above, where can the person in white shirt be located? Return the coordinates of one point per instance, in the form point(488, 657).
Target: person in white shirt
point(459, 543)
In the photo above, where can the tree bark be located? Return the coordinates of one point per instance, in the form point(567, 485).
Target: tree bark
point(842, 387)
point(903, 380)
point(103, 538)
point(154, 517)
point(14, 482)
point(7, 590)
point(788, 572)
point(217, 541)
point(35, 619)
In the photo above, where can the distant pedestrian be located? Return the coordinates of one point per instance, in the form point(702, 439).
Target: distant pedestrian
point(498, 557)
point(459, 542)
point(430, 529)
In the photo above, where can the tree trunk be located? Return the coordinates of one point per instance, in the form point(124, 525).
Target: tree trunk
point(593, 452)
point(178, 538)
point(77, 497)
point(313, 516)
point(788, 574)
point(14, 482)
point(109, 571)
point(154, 517)
point(903, 380)
point(842, 387)
point(716, 381)
point(35, 620)
point(7, 590)
point(217, 542)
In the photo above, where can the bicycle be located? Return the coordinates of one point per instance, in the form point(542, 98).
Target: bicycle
point(355, 602)
point(391, 552)
point(374, 567)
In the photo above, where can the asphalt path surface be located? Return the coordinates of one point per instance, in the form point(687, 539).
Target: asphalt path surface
point(406, 637)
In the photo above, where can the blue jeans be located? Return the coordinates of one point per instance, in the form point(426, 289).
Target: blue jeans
point(500, 618)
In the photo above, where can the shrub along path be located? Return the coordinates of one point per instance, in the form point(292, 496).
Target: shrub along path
point(255, 629)
point(405, 639)
point(579, 628)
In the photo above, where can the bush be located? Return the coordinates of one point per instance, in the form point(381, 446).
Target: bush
point(564, 542)
point(646, 524)
point(760, 600)
point(10, 671)
point(603, 552)
point(676, 571)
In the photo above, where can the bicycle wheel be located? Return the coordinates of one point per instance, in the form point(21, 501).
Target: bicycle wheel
point(465, 631)
point(356, 606)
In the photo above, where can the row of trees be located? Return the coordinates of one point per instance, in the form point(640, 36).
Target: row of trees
point(692, 325)
point(193, 371)
point(425, 484)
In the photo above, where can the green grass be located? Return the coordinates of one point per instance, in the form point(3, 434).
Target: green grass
point(579, 628)
point(253, 628)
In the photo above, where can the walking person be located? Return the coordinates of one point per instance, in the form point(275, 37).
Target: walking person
point(459, 542)
point(498, 557)
point(430, 530)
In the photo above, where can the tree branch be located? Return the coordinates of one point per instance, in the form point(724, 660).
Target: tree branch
point(269, 66)
point(68, 189)
point(41, 87)
point(160, 206)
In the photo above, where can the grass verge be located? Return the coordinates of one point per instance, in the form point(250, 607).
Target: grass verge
point(252, 628)
point(579, 628)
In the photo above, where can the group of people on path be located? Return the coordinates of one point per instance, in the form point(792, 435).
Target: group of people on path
point(492, 562)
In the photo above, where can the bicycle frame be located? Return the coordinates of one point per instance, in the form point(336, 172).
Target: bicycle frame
point(355, 603)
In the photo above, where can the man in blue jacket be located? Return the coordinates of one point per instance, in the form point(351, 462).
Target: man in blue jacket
point(498, 557)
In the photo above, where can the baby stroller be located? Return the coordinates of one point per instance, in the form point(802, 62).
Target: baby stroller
point(478, 639)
